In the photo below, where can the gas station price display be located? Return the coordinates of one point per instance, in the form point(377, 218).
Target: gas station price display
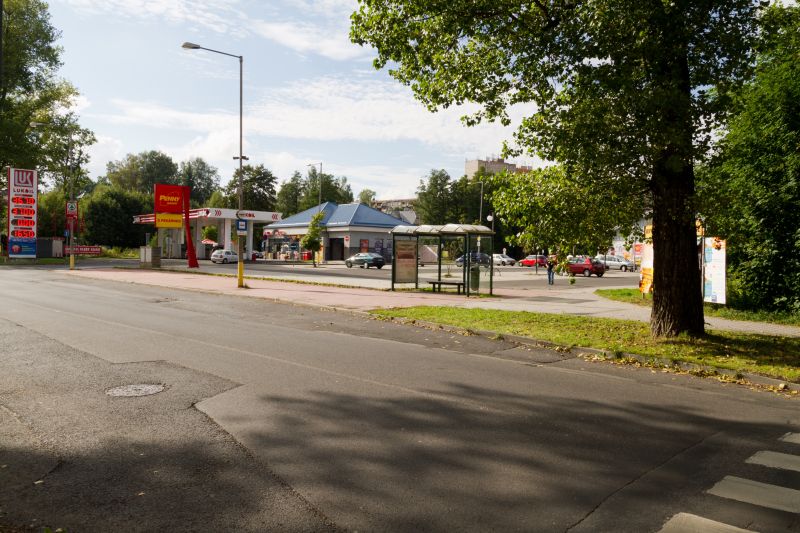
point(23, 187)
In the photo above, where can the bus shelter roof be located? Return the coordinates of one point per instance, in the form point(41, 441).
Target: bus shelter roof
point(447, 229)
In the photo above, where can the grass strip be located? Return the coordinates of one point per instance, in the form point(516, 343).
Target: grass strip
point(633, 296)
point(777, 357)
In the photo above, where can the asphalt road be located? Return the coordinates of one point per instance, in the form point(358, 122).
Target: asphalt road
point(286, 418)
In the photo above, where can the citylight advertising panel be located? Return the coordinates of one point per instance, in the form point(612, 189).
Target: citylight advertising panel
point(405, 261)
point(22, 209)
point(714, 270)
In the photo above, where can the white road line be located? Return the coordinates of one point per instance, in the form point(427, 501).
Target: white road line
point(776, 460)
point(791, 437)
point(748, 491)
point(689, 523)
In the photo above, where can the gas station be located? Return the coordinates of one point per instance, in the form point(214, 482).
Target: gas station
point(174, 239)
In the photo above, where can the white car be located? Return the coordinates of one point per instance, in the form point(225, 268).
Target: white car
point(224, 256)
point(503, 259)
point(614, 262)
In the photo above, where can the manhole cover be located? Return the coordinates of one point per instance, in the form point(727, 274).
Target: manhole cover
point(138, 389)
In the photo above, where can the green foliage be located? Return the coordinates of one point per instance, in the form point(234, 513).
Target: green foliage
point(210, 232)
point(202, 178)
point(288, 200)
point(51, 214)
point(620, 89)
point(557, 211)
point(335, 190)
point(140, 172)
point(434, 198)
point(312, 240)
point(31, 91)
point(750, 192)
point(366, 197)
point(109, 215)
point(217, 199)
point(258, 189)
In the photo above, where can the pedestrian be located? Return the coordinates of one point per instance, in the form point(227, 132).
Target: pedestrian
point(551, 270)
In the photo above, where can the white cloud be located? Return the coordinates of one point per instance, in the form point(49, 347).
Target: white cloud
point(327, 40)
point(104, 150)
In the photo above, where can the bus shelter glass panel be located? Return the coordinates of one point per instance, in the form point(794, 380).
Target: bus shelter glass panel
point(479, 267)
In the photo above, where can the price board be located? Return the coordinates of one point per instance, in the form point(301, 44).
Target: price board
point(23, 186)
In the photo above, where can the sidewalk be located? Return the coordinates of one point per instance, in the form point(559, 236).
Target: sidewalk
point(565, 300)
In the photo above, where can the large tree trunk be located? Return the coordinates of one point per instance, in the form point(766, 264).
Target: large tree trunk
point(677, 300)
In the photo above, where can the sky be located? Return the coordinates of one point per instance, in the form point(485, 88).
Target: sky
point(310, 95)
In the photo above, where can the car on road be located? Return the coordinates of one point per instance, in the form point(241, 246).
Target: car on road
point(503, 260)
point(533, 260)
point(365, 260)
point(586, 266)
point(615, 262)
point(224, 256)
point(475, 258)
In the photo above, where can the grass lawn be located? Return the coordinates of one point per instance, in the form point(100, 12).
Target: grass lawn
point(633, 296)
point(777, 357)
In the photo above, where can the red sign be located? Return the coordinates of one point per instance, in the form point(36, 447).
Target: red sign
point(168, 198)
point(83, 250)
point(72, 210)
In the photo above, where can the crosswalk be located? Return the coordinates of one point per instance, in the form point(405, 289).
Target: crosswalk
point(749, 491)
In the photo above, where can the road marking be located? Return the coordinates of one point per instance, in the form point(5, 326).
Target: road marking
point(776, 460)
point(748, 491)
point(791, 437)
point(689, 523)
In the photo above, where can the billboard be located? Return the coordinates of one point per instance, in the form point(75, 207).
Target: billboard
point(714, 289)
point(23, 186)
point(405, 261)
point(168, 198)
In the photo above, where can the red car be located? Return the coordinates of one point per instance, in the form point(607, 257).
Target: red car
point(533, 260)
point(586, 266)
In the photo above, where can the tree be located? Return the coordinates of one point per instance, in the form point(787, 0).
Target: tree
point(31, 91)
point(559, 212)
point(312, 240)
point(217, 199)
point(335, 190)
point(258, 189)
point(140, 172)
point(750, 192)
point(109, 216)
point(289, 195)
point(201, 177)
point(434, 198)
point(620, 88)
point(366, 196)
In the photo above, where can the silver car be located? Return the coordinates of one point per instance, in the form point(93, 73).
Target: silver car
point(615, 262)
point(224, 256)
point(503, 259)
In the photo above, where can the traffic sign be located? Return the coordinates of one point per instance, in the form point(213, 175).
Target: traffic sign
point(72, 210)
point(241, 227)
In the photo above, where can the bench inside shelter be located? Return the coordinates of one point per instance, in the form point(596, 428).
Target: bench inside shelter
point(437, 285)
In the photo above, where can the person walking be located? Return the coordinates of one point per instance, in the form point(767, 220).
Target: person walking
point(551, 270)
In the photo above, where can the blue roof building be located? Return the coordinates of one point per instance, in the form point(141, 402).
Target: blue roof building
point(346, 229)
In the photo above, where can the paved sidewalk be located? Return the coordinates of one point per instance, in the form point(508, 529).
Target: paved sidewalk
point(557, 300)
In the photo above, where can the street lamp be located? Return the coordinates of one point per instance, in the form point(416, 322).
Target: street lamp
point(241, 157)
point(319, 191)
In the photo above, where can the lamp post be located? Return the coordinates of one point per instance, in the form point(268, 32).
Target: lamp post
point(319, 197)
point(241, 157)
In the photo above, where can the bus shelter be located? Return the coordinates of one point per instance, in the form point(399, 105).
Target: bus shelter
point(453, 256)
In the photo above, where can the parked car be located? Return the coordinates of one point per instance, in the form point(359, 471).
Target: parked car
point(533, 260)
point(586, 266)
point(503, 259)
point(365, 259)
point(475, 258)
point(614, 262)
point(224, 256)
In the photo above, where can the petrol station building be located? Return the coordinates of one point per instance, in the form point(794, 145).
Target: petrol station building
point(174, 240)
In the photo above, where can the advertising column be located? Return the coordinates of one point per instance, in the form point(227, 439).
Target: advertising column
point(22, 210)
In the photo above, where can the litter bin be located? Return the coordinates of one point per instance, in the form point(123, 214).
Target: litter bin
point(475, 278)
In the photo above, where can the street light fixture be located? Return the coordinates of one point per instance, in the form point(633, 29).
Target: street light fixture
point(241, 157)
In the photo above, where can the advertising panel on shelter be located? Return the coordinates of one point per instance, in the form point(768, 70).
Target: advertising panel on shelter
point(646, 272)
point(22, 211)
point(405, 261)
